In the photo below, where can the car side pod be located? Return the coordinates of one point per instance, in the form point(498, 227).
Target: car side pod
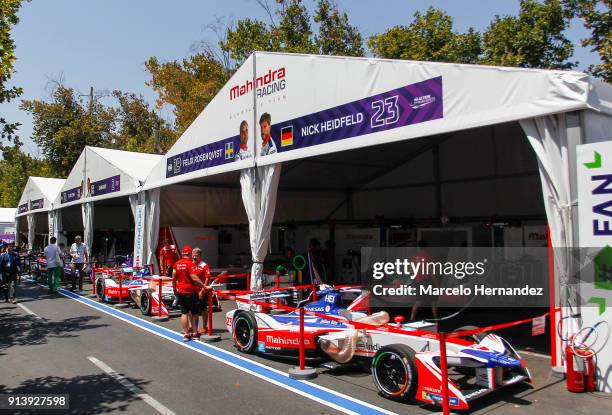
point(302, 372)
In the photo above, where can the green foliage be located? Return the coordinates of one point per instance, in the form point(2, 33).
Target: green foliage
point(65, 125)
point(429, 37)
point(140, 129)
point(336, 35)
point(597, 17)
point(533, 39)
point(188, 85)
point(294, 33)
point(8, 19)
point(15, 168)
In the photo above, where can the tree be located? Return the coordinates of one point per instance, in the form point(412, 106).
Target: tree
point(15, 168)
point(294, 32)
point(65, 125)
point(8, 19)
point(532, 39)
point(597, 17)
point(336, 35)
point(139, 128)
point(188, 85)
point(429, 37)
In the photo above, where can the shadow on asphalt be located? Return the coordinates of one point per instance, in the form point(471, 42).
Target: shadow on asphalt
point(89, 394)
point(19, 329)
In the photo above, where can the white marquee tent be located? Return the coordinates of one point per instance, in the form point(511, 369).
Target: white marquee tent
point(100, 175)
point(361, 137)
point(7, 223)
point(34, 204)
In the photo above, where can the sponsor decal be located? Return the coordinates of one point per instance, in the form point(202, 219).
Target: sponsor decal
point(434, 397)
point(23, 208)
point(71, 195)
point(284, 341)
point(104, 186)
point(266, 84)
point(408, 105)
point(209, 155)
point(37, 204)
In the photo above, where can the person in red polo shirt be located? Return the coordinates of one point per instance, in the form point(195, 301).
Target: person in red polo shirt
point(201, 271)
point(167, 258)
point(186, 289)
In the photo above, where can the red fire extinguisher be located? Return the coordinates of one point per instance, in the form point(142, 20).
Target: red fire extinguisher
point(580, 372)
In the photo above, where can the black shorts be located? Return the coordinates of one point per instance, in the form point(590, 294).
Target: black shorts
point(203, 303)
point(189, 303)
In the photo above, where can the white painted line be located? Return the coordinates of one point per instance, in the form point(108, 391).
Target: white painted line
point(159, 407)
point(27, 310)
point(528, 353)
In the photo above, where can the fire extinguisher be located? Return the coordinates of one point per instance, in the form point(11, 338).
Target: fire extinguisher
point(580, 373)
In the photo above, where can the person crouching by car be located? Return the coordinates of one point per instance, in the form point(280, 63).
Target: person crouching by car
point(201, 271)
point(186, 290)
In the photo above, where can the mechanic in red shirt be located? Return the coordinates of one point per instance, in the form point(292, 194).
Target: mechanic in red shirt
point(186, 289)
point(201, 271)
point(167, 258)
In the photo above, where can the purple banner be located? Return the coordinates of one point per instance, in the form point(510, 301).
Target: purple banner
point(23, 208)
point(208, 155)
point(108, 185)
point(72, 194)
point(7, 237)
point(411, 104)
point(37, 204)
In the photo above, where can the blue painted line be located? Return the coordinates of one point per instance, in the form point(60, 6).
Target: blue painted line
point(323, 395)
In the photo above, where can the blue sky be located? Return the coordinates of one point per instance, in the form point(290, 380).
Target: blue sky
point(104, 44)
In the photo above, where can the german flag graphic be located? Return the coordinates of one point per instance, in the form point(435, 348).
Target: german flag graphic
point(287, 136)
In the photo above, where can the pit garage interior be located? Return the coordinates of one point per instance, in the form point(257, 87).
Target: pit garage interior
point(478, 187)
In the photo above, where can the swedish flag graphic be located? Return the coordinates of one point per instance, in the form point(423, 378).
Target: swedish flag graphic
point(229, 150)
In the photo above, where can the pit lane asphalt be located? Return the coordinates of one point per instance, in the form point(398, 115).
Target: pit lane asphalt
point(187, 382)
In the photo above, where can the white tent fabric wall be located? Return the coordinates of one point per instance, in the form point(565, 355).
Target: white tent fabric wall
point(259, 188)
point(87, 211)
point(152, 225)
point(31, 229)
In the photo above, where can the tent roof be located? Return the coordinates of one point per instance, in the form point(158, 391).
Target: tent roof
point(7, 215)
point(102, 173)
point(435, 98)
point(137, 165)
point(38, 188)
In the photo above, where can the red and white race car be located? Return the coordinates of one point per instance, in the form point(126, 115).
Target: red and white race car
point(404, 357)
point(114, 283)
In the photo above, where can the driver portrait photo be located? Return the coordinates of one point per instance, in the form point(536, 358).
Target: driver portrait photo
point(244, 152)
point(267, 144)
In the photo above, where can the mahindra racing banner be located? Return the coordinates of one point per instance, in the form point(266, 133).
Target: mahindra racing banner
point(203, 157)
point(105, 186)
point(23, 208)
point(37, 204)
point(410, 104)
point(220, 139)
point(71, 195)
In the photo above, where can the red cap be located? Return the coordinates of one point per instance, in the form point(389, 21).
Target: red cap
point(187, 249)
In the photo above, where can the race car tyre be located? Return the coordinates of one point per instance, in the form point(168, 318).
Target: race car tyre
point(145, 303)
point(478, 337)
point(100, 290)
point(245, 332)
point(394, 372)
